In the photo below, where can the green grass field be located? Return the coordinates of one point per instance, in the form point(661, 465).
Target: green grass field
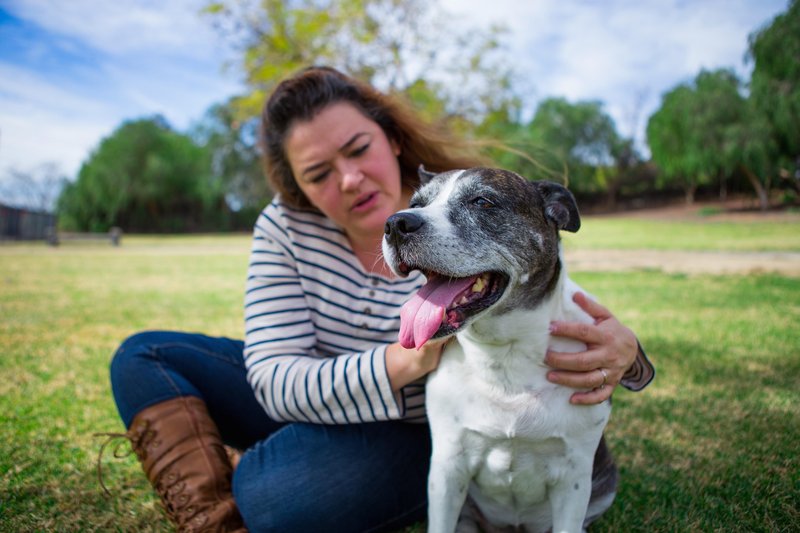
point(712, 445)
point(622, 233)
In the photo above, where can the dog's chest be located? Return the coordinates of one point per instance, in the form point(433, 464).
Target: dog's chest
point(514, 443)
point(459, 403)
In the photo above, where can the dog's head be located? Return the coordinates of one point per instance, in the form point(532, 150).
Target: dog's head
point(486, 240)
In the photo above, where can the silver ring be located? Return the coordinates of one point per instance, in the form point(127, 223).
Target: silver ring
point(605, 377)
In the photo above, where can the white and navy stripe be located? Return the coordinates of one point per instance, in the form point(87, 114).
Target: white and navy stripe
point(317, 325)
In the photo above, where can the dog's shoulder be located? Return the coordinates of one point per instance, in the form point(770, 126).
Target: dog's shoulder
point(569, 309)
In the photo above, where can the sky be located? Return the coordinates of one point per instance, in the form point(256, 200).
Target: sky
point(72, 71)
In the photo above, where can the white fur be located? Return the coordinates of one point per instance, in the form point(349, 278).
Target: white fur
point(506, 435)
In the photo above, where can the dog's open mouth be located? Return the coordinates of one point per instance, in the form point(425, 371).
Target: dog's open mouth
point(443, 305)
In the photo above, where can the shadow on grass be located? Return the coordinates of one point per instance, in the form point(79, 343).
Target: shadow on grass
point(75, 502)
point(711, 447)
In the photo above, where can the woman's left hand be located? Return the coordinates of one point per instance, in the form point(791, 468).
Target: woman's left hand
point(611, 349)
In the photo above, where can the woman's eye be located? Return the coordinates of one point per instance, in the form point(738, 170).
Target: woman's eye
point(360, 150)
point(480, 201)
point(319, 177)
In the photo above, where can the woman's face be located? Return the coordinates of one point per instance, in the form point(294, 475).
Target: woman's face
point(347, 167)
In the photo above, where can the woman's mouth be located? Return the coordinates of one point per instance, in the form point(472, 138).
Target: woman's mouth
point(364, 202)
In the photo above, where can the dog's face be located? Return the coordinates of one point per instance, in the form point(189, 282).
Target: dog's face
point(486, 239)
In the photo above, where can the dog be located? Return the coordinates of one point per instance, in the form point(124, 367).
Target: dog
point(488, 243)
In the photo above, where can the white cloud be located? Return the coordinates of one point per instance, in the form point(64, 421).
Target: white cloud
point(625, 53)
point(123, 27)
point(41, 122)
point(130, 58)
point(115, 61)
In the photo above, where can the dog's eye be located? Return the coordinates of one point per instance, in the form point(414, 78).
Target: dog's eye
point(480, 201)
point(414, 204)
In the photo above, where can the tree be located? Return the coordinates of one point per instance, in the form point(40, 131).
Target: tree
point(580, 138)
point(234, 159)
point(775, 86)
point(669, 132)
point(397, 45)
point(144, 177)
point(748, 146)
point(707, 129)
point(37, 188)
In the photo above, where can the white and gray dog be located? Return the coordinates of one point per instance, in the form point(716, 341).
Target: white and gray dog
point(488, 243)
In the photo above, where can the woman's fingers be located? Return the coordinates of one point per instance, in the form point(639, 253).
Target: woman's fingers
point(593, 379)
point(575, 362)
point(599, 383)
point(591, 397)
point(586, 333)
point(594, 309)
point(610, 349)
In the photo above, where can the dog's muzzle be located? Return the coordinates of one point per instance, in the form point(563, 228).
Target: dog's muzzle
point(400, 226)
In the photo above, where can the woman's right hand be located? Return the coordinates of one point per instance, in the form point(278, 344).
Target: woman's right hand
point(404, 365)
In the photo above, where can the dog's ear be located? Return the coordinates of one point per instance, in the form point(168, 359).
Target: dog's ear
point(559, 205)
point(424, 175)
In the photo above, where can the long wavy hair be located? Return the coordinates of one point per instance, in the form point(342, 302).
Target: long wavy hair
point(302, 96)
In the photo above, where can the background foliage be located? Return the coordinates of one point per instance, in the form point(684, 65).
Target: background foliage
point(714, 134)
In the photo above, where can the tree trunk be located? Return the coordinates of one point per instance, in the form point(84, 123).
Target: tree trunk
point(723, 188)
point(689, 194)
point(761, 191)
point(611, 198)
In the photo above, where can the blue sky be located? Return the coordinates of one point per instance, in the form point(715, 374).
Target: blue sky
point(72, 71)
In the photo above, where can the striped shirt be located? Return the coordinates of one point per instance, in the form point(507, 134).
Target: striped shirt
point(317, 326)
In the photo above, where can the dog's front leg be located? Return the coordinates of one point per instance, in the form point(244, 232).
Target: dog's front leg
point(569, 499)
point(448, 482)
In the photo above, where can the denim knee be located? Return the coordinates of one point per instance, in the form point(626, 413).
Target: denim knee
point(369, 477)
point(264, 504)
point(135, 375)
point(127, 355)
point(257, 500)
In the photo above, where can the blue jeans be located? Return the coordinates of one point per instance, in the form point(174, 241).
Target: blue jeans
point(293, 476)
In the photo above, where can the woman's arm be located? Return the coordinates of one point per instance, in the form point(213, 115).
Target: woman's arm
point(405, 366)
point(289, 375)
point(613, 355)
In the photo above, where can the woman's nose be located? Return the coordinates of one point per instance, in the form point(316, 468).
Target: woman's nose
point(351, 177)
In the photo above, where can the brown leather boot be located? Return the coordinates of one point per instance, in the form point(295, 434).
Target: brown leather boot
point(184, 459)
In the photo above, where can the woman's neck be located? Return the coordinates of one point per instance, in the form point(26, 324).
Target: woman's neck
point(369, 254)
point(367, 246)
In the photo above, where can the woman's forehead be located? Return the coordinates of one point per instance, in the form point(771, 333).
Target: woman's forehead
point(327, 132)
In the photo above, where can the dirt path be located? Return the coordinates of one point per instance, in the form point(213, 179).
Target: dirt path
point(784, 263)
point(695, 262)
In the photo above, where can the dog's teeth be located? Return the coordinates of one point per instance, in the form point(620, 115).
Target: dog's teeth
point(463, 300)
point(479, 284)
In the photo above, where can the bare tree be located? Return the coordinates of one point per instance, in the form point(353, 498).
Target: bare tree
point(36, 189)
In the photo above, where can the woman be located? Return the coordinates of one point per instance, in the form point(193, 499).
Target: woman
point(325, 402)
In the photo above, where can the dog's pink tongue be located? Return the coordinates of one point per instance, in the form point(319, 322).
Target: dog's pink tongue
point(422, 315)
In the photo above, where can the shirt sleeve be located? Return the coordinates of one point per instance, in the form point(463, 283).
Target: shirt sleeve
point(291, 380)
point(640, 374)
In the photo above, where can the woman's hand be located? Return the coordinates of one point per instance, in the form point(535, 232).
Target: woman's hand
point(404, 365)
point(611, 349)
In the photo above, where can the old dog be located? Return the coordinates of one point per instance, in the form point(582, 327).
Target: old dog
point(488, 243)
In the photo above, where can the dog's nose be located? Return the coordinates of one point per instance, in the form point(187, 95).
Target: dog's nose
point(401, 225)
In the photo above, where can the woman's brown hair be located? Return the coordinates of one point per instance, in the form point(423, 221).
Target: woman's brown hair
point(305, 94)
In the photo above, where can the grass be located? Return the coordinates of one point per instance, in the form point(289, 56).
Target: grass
point(710, 446)
point(627, 233)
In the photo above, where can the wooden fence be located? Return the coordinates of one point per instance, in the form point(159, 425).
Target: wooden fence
point(18, 224)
